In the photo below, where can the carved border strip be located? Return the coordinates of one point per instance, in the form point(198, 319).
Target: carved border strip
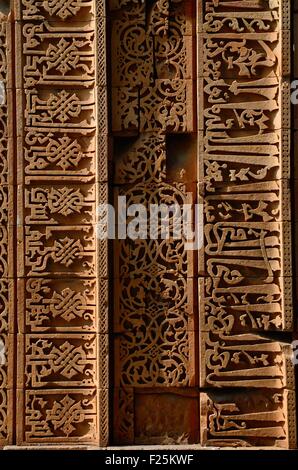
point(7, 283)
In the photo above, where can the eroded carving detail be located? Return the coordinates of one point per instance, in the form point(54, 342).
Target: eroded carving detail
point(61, 416)
point(152, 57)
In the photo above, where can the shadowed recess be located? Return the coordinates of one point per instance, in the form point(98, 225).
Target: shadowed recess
point(5, 6)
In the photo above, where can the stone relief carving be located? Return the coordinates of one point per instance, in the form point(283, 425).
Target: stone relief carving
point(153, 96)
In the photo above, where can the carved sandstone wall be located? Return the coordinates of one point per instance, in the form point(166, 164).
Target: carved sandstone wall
point(160, 101)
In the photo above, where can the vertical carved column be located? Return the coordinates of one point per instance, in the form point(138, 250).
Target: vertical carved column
point(153, 101)
point(6, 236)
point(62, 269)
point(245, 266)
